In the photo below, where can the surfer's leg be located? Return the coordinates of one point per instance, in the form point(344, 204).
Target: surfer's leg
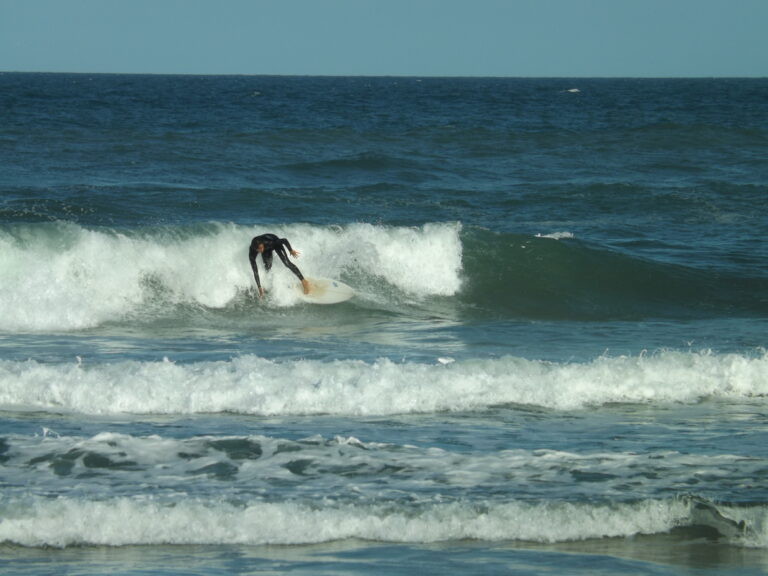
point(290, 265)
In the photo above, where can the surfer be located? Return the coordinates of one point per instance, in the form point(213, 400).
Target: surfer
point(265, 245)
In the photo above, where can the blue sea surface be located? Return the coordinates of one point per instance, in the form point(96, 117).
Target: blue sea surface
point(555, 358)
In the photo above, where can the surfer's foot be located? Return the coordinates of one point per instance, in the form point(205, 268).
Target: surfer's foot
point(305, 283)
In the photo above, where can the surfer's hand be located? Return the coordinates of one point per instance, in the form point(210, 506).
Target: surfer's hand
point(295, 253)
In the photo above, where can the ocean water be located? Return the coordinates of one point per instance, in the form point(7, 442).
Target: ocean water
point(555, 360)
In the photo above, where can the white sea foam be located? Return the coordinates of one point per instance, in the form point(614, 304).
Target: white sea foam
point(255, 385)
point(120, 464)
point(132, 521)
point(61, 522)
point(556, 235)
point(66, 277)
point(158, 490)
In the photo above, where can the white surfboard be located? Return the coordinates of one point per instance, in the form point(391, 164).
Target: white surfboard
point(325, 291)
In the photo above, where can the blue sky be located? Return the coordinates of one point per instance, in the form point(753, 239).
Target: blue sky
point(573, 38)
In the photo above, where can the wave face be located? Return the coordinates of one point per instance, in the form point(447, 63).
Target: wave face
point(557, 277)
point(63, 276)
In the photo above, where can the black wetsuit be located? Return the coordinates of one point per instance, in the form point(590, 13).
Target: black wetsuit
point(271, 244)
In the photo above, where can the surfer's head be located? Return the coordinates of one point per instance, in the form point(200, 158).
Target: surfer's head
point(260, 248)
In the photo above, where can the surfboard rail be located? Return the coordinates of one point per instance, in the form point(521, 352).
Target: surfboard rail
point(325, 291)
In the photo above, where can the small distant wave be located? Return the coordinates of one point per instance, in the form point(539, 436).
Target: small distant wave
point(364, 162)
point(556, 235)
point(255, 385)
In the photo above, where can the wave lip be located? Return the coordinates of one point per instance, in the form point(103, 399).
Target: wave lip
point(146, 521)
point(254, 385)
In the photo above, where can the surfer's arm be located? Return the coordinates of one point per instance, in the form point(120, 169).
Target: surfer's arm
point(284, 242)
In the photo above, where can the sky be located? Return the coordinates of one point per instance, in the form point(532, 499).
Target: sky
point(517, 38)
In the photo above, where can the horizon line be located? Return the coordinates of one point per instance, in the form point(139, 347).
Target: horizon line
point(406, 76)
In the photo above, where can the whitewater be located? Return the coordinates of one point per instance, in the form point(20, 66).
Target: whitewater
point(255, 385)
point(67, 277)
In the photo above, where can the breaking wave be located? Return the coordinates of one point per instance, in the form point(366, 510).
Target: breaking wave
point(254, 385)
